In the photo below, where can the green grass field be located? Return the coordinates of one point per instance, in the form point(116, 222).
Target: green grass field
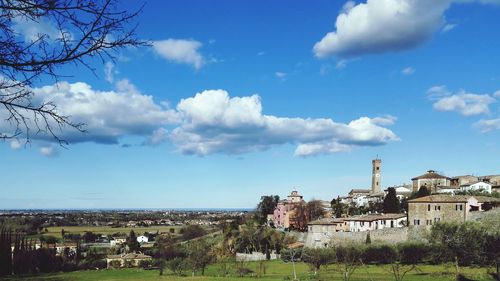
point(56, 230)
point(276, 271)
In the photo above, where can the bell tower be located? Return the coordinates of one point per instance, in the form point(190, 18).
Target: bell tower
point(376, 178)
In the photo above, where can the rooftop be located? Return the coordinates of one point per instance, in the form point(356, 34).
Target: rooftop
point(431, 174)
point(374, 217)
point(327, 221)
point(452, 199)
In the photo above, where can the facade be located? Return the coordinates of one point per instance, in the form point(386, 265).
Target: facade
point(142, 239)
point(376, 176)
point(477, 186)
point(375, 221)
point(425, 211)
point(462, 180)
point(319, 232)
point(126, 260)
point(431, 180)
point(284, 215)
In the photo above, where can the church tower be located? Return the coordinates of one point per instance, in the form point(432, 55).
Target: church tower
point(376, 179)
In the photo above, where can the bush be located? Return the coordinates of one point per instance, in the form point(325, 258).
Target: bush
point(413, 252)
point(380, 254)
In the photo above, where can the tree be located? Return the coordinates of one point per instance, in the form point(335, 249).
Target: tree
point(299, 218)
point(349, 258)
point(80, 31)
point(132, 243)
point(315, 210)
point(422, 192)
point(199, 255)
point(266, 206)
point(192, 231)
point(318, 257)
point(292, 255)
point(391, 202)
point(338, 207)
point(368, 239)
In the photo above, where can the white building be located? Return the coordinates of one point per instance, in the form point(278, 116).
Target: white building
point(477, 186)
point(142, 239)
point(375, 221)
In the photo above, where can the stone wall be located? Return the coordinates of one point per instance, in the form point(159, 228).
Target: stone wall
point(255, 256)
point(386, 235)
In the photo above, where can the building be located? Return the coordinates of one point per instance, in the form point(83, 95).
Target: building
point(494, 180)
point(402, 191)
point(458, 181)
point(425, 211)
point(376, 177)
point(284, 214)
point(477, 186)
point(142, 239)
point(431, 180)
point(319, 232)
point(375, 221)
point(127, 260)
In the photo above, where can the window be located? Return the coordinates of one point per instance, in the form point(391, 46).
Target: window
point(428, 207)
point(461, 207)
point(378, 168)
point(362, 223)
point(416, 222)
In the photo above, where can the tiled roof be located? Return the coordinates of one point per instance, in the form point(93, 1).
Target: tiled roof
point(374, 217)
point(441, 198)
point(360, 190)
point(327, 221)
point(430, 175)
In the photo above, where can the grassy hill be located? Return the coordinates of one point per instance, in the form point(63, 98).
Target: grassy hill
point(276, 271)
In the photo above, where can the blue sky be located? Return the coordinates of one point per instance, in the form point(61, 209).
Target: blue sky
point(237, 99)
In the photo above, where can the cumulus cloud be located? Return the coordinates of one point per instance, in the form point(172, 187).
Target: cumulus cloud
point(49, 151)
point(408, 71)
point(448, 27)
point(379, 26)
point(180, 51)
point(466, 104)
point(207, 123)
point(108, 115)
point(15, 144)
point(213, 122)
point(280, 75)
point(487, 125)
point(109, 72)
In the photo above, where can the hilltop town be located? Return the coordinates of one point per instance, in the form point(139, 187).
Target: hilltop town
point(390, 215)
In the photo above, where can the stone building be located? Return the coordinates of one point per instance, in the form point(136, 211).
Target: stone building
point(432, 181)
point(425, 211)
point(126, 260)
point(375, 221)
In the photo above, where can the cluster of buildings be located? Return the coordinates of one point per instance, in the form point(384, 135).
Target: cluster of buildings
point(443, 204)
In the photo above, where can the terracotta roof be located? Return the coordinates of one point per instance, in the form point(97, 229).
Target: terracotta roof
point(360, 190)
point(295, 245)
point(482, 199)
point(327, 221)
point(474, 182)
point(374, 217)
point(441, 198)
point(430, 175)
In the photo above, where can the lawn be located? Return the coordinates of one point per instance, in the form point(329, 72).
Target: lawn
point(276, 271)
point(56, 230)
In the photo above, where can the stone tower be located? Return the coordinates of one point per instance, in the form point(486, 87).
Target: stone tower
point(376, 179)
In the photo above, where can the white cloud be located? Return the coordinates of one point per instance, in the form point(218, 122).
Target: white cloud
point(33, 30)
point(487, 125)
point(467, 104)
point(213, 122)
point(108, 115)
point(280, 75)
point(49, 151)
point(408, 71)
point(109, 72)
point(210, 122)
point(497, 94)
point(379, 26)
point(180, 51)
point(159, 136)
point(15, 144)
point(448, 27)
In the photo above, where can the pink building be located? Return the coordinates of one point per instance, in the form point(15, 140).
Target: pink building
point(283, 215)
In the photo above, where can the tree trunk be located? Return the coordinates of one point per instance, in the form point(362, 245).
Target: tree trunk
point(457, 272)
